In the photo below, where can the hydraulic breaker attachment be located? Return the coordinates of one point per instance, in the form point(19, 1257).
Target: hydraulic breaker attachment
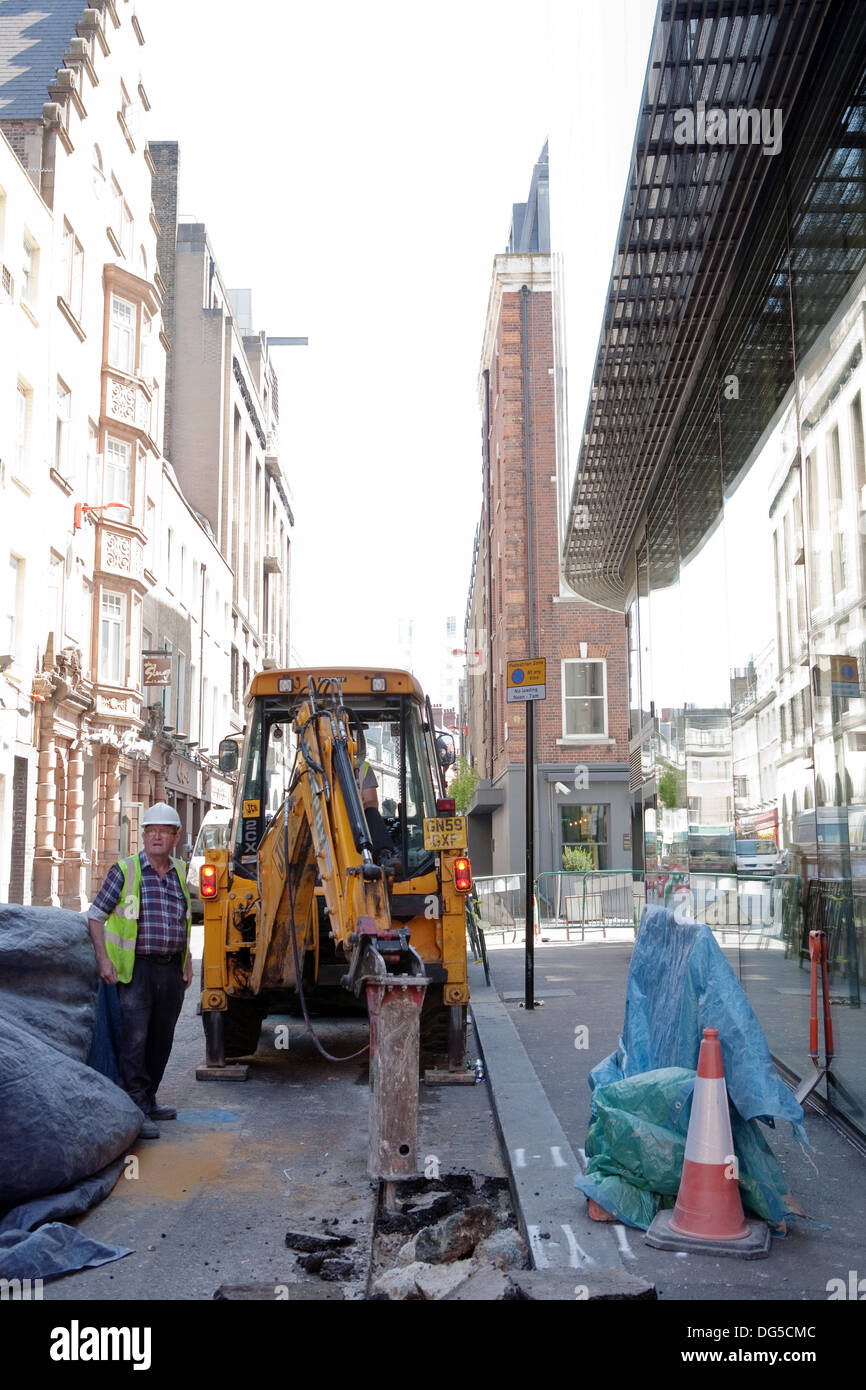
point(392, 975)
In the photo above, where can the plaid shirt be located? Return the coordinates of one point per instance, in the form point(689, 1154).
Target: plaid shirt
point(162, 918)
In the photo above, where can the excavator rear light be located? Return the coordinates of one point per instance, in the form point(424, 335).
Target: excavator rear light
point(445, 806)
point(378, 684)
point(207, 881)
point(462, 875)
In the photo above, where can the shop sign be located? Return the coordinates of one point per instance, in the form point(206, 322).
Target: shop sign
point(157, 667)
point(219, 793)
point(182, 775)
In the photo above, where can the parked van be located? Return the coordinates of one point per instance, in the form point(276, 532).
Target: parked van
point(757, 857)
point(214, 833)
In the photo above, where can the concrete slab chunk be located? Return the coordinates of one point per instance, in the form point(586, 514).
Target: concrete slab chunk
point(580, 1285)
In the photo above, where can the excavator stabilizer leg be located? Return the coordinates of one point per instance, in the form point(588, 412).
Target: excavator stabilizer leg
point(394, 1006)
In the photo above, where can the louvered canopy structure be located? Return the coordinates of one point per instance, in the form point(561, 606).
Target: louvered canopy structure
point(726, 257)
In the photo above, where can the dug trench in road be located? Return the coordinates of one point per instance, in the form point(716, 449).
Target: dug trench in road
point(209, 1205)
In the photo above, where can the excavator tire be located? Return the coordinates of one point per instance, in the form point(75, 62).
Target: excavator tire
point(243, 1026)
point(435, 1029)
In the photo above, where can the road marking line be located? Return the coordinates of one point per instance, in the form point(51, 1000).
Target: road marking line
point(577, 1256)
point(541, 1260)
point(581, 1153)
point(520, 1158)
point(558, 1160)
point(622, 1242)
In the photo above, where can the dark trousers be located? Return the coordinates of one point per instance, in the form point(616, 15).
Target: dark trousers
point(151, 1004)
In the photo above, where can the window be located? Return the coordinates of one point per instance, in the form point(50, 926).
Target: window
point(146, 353)
point(235, 677)
point(97, 172)
point(54, 606)
point(121, 335)
point(22, 428)
point(125, 235)
point(112, 634)
point(29, 269)
point(584, 699)
point(92, 480)
point(121, 219)
point(62, 429)
point(180, 707)
point(169, 558)
point(14, 576)
point(72, 274)
point(150, 528)
point(118, 460)
point(587, 827)
point(837, 516)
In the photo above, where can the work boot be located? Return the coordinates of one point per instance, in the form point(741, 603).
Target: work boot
point(148, 1129)
point(163, 1112)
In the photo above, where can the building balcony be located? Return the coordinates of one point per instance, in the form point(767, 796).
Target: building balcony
point(126, 401)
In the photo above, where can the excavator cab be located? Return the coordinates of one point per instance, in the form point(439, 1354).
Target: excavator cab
point(392, 738)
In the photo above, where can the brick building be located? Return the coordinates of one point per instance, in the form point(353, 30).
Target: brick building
point(520, 607)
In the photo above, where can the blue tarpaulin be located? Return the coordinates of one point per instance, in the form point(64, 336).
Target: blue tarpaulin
point(680, 983)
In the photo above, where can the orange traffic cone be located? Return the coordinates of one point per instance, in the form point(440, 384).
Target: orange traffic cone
point(708, 1215)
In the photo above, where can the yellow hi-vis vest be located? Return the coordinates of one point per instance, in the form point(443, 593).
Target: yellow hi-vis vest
point(121, 927)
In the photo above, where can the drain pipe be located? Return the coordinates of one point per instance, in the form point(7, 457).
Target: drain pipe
point(488, 506)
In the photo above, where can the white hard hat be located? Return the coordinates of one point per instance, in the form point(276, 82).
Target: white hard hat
point(161, 814)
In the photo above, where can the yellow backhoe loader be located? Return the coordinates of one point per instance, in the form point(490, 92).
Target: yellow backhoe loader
point(319, 892)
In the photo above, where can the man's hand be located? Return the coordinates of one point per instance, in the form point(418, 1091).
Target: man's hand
point(107, 971)
point(187, 974)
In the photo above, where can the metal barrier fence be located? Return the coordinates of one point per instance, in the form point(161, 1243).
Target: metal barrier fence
point(767, 909)
point(596, 899)
point(502, 904)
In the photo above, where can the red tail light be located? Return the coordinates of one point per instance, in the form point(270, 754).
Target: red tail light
point(445, 806)
point(462, 875)
point(207, 881)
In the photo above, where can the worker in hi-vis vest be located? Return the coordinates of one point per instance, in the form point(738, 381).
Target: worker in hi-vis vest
point(139, 925)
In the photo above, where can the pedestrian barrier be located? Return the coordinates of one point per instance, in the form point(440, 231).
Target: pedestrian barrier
point(475, 933)
point(595, 899)
point(708, 1215)
point(502, 904)
point(763, 912)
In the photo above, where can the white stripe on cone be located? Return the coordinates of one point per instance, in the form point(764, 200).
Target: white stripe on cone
point(709, 1138)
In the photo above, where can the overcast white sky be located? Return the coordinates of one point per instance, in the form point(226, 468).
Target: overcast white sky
point(355, 164)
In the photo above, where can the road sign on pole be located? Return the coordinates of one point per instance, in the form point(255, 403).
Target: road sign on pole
point(526, 680)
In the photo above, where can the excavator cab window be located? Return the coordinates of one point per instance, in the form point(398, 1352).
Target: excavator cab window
point(418, 795)
point(395, 746)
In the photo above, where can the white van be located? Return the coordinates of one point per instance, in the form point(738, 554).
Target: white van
point(213, 834)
